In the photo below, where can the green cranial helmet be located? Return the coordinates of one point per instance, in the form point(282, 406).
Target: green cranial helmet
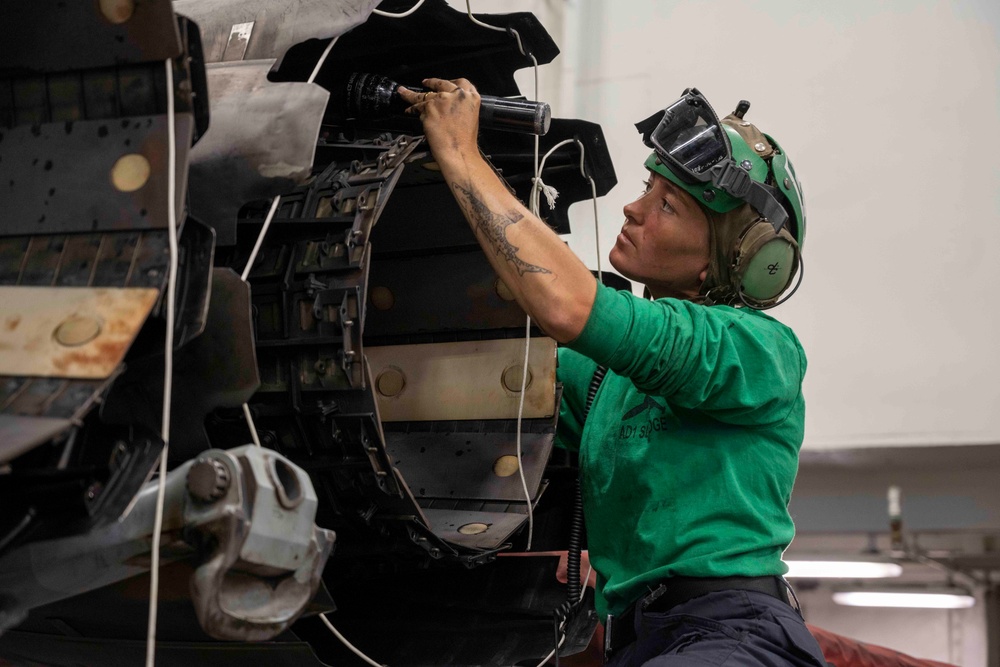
point(747, 187)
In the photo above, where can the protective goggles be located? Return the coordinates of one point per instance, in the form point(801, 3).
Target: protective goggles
point(689, 139)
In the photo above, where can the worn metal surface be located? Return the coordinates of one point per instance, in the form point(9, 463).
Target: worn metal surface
point(455, 291)
point(52, 35)
point(276, 27)
point(261, 142)
point(60, 176)
point(466, 380)
point(69, 332)
point(20, 434)
point(462, 465)
point(259, 571)
point(495, 527)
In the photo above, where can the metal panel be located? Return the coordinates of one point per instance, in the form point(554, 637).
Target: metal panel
point(467, 380)
point(463, 527)
point(277, 26)
point(261, 142)
point(239, 38)
point(20, 434)
point(90, 175)
point(460, 465)
point(69, 332)
point(444, 292)
point(51, 35)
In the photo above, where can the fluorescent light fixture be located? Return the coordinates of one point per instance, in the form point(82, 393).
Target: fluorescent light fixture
point(912, 599)
point(841, 569)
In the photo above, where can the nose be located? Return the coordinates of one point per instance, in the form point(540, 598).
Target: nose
point(631, 211)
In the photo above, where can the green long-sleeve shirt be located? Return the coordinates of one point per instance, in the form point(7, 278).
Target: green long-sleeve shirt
point(690, 451)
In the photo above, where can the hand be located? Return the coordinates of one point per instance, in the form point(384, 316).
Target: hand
point(450, 114)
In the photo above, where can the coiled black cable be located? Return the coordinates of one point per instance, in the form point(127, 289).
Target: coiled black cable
point(573, 586)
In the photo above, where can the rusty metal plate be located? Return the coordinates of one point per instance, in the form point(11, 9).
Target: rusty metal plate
point(67, 332)
point(465, 380)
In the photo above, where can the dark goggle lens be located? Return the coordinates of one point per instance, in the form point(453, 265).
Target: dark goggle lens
point(690, 136)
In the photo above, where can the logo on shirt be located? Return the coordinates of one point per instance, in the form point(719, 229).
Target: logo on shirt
point(648, 403)
point(652, 422)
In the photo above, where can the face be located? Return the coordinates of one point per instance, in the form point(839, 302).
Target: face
point(664, 243)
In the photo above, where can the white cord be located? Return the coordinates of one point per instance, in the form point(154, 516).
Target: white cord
point(263, 233)
point(343, 639)
point(537, 187)
point(260, 238)
point(322, 58)
point(399, 16)
point(253, 428)
point(168, 369)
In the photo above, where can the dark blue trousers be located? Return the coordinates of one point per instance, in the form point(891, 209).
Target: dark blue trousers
point(722, 628)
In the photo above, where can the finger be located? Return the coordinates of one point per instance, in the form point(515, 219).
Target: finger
point(464, 84)
point(440, 85)
point(409, 96)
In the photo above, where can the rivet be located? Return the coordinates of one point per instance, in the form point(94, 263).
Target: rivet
point(505, 466)
point(512, 377)
point(77, 330)
point(746, 164)
point(708, 195)
point(759, 147)
point(130, 172)
point(788, 184)
point(745, 123)
point(503, 291)
point(382, 298)
point(473, 528)
point(117, 11)
point(390, 382)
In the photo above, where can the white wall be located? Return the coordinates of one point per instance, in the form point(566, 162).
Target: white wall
point(889, 110)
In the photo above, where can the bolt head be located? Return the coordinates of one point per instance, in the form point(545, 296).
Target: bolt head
point(708, 195)
point(208, 480)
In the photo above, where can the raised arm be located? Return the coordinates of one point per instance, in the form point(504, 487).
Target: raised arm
point(549, 282)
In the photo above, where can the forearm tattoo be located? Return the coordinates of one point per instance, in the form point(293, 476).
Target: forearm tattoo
point(493, 226)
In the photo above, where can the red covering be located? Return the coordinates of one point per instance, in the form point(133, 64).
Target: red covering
point(841, 651)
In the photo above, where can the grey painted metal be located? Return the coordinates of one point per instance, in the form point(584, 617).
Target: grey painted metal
point(264, 566)
point(499, 526)
point(58, 176)
point(260, 144)
point(47, 35)
point(276, 26)
point(20, 434)
point(461, 465)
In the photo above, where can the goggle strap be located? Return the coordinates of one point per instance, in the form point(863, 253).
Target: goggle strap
point(646, 127)
point(734, 180)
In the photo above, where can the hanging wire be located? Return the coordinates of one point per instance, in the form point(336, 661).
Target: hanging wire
point(349, 645)
point(401, 15)
point(168, 368)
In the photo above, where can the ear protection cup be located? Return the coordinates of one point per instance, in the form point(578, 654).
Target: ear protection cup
point(764, 264)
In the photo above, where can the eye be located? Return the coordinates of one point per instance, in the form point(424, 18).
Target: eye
point(667, 208)
point(647, 185)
